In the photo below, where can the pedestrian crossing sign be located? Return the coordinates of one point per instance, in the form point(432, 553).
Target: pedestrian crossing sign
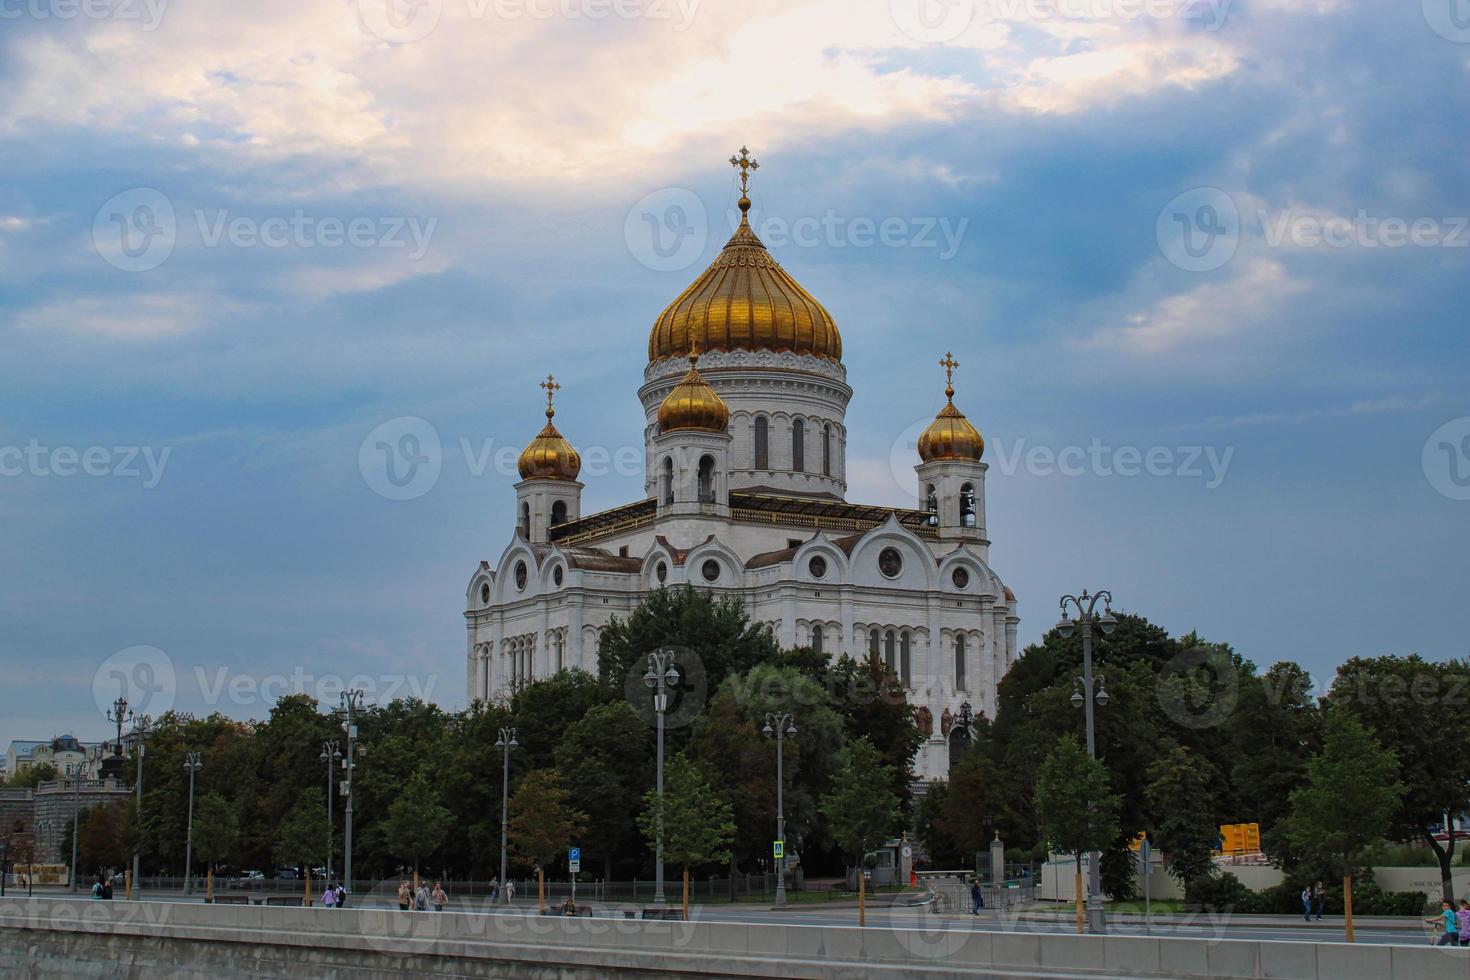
point(778, 849)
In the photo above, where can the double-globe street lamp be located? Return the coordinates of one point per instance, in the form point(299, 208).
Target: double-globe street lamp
point(192, 765)
point(780, 725)
point(331, 755)
point(142, 728)
point(74, 770)
point(505, 743)
point(1085, 696)
point(351, 703)
point(662, 675)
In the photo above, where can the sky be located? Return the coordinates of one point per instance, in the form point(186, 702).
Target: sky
point(1205, 265)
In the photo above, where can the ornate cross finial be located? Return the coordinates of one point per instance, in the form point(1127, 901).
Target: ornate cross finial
point(949, 364)
point(551, 389)
point(746, 164)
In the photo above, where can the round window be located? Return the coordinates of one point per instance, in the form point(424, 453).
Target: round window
point(662, 571)
point(817, 566)
point(960, 578)
point(485, 594)
point(556, 576)
point(890, 562)
point(711, 570)
point(520, 575)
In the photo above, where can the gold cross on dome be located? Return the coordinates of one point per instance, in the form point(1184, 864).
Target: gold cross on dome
point(949, 364)
point(551, 389)
point(746, 164)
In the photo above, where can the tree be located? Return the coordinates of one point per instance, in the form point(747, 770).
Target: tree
point(861, 808)
point(1078, 809)
point(604, 762)
point(31, 776)
point(1181, 805)
point(301, 839)
point(417, 822)
point(1349, 800)
point(101, 843)
point(873, 705)
point(215, 829)
point(697, 825)
point(542, 822)
point(1417, 710)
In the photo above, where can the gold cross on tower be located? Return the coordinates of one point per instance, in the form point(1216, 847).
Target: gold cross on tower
point(551, 389)
point(746, 165)
point(949, 364)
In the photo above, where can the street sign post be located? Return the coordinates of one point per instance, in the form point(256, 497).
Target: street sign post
point(778, 849)
point(574, 862)
point(1143, 852)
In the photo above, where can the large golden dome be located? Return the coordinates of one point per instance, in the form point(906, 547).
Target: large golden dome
point(745, 300)
point(549, 456)
point(693, 404)
point(950, 435)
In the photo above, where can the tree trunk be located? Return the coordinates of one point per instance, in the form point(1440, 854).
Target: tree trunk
point(1078, 892)
point(734, 870)
point(1347, 906)
point(307, 900)
point(686, 894)
point(541, 888)
point(862, 897)
point(1445, 855)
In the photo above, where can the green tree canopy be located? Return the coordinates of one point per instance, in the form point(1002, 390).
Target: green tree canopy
point(302, 836)
point(417, 821)
point(543, 822)
point(215, 829)
point(1075, 800)
point(1181, 804)
point(605, 762)
point(697, 825)
point(861, 808)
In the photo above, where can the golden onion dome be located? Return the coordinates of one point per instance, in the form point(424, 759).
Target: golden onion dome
point(549, 456)
point(950, 435)
point(744, 301)
point(693, 404)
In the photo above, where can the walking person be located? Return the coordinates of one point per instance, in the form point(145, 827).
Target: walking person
point(421, 898)
point(403, 895)
point(1307, 903)
point(341, 895)
point(510, 891)
point(977, 898)
point(439, 898)
point(329, 897)
point(1451, 923)
point(1462, 919)
point(1319, 899)
point(494, 890)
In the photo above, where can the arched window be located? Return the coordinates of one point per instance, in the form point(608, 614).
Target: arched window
point(967, 505)
point(526, 519)
point(890, 654)
point(816, 639)
point(706, 479)
point(666, 492)
point(959, 662)
point(873, 644)
point(904, 658)
point(762, 443)
point(559, 512)
point(826, 450)
point(798, 446)
point(561, 650)
point(931, 504)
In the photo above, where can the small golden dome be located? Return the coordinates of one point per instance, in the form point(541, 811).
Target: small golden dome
point(950, 435)
point(744, 301)
point(549, 456)
point(693, 404)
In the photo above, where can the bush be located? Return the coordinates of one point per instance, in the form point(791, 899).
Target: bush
point(1224, 893)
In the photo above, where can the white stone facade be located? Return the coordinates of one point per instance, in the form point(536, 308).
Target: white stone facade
point(778, 533)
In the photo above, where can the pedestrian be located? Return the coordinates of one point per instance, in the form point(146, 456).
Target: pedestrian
point(341, 895)
point(1307, 902)
point(97, 888)
point(977, 898)
point(1319, 899)
point(1450, 923)
point(403, 895)
point(494, 890)
point(440, 899)
point(107, 888)
point(510, 891)
point(1462, 920)
point(329, 897)
point(421, 898)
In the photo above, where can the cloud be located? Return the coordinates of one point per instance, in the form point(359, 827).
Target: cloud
point(127, 317)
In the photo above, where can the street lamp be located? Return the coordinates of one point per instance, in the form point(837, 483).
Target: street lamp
point(74, 770)
point(192, 764)
point(351, 702)
point(1089, 691)
point(141, 726)
point(330, 755)
point(662, 674)
point(780, 725)
point(505, 743)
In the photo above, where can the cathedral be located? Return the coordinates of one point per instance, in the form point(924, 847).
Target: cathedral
point(745, 494)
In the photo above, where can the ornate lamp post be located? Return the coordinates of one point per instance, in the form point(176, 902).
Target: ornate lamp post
point(141, 726)
point(780, 725)
point(662, 674)
point(505, 743)
point(192, 764)
point(330, 755)
point(74, 770)
point(1085, 696)
point(351, 703)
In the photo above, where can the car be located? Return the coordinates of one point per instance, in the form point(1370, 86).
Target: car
point(287, 874)
point(252, 876)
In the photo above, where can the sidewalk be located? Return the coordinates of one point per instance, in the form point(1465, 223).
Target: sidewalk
point(1327, 924)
